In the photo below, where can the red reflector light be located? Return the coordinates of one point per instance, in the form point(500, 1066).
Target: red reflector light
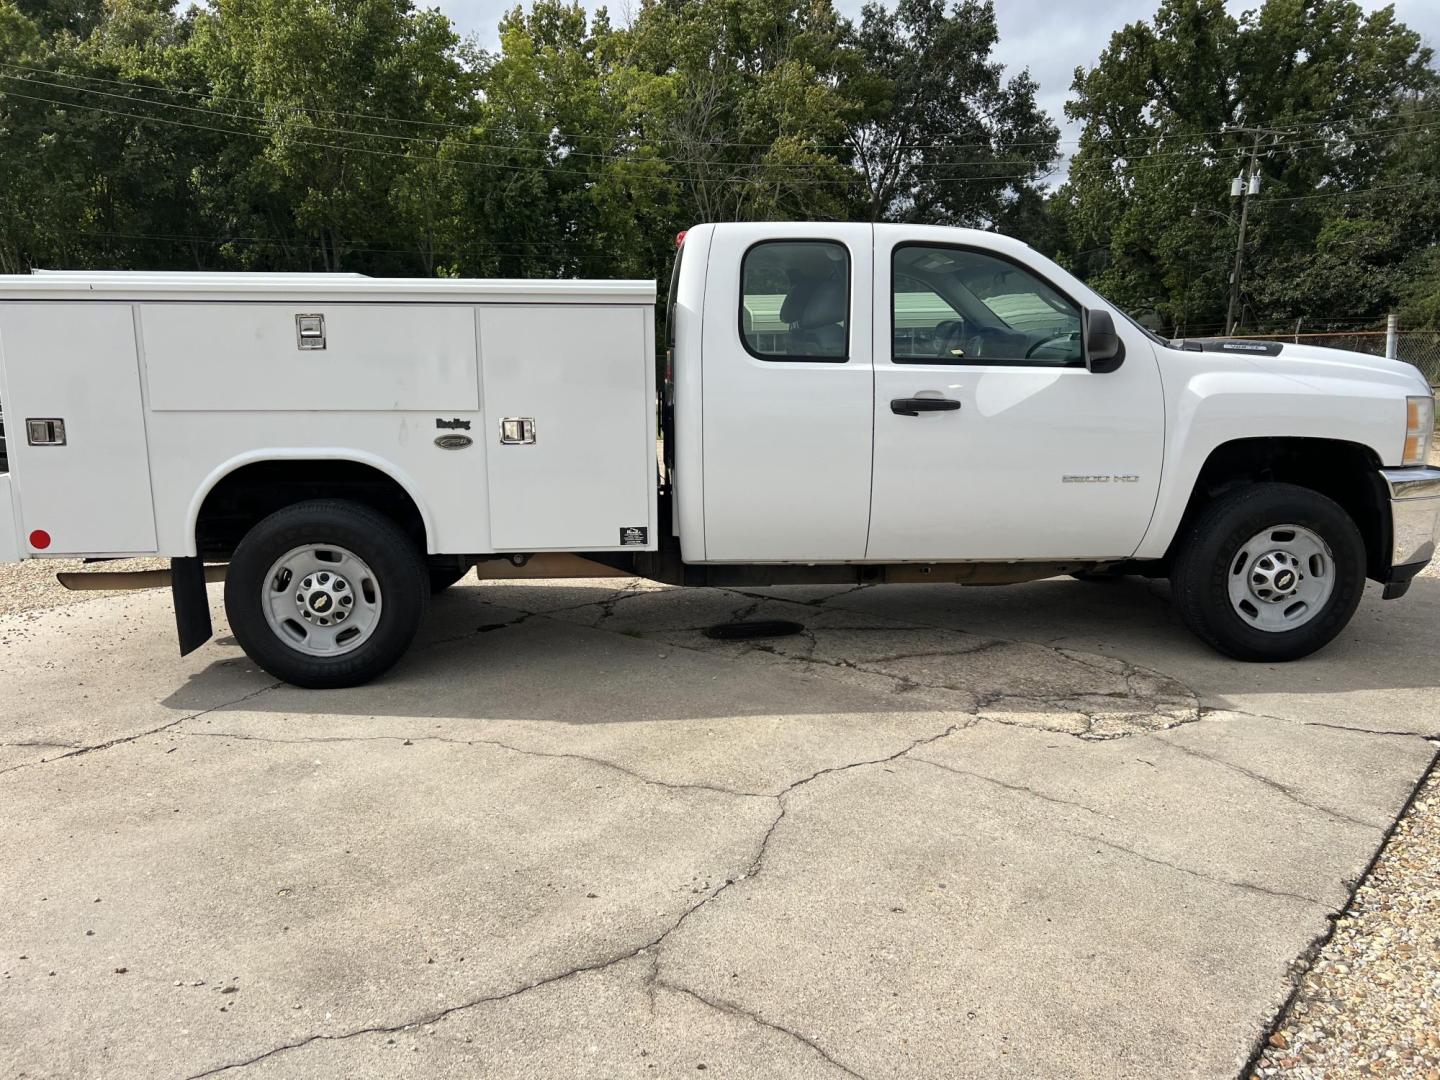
point(39, 539)
point(680, 237)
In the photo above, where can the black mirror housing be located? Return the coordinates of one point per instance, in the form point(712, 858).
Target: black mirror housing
point(1104, 351)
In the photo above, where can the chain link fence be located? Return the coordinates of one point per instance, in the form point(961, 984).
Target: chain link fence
point(1418, 347)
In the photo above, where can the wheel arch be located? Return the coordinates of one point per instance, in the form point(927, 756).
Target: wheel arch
point(1342, 470)
point(282, 476)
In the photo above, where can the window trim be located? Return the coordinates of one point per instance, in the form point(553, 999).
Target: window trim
point(849, 301)
point(936, 361)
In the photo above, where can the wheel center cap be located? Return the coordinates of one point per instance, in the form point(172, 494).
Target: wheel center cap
point(1284, 579)
point(321, 602)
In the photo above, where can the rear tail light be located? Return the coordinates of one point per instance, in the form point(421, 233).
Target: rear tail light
point(1419, 427)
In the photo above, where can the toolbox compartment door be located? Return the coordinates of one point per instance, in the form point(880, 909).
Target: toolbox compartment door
point(76, 363)
point(569, 429)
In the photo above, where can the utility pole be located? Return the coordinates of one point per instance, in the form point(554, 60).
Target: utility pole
point(1243, 187)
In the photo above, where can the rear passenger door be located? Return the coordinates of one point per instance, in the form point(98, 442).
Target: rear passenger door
point(788, 393)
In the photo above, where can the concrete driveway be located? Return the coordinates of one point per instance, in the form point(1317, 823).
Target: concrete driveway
point(1035, 832)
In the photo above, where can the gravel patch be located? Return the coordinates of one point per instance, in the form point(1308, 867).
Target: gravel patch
point(31, 585)
point(1370, 1004)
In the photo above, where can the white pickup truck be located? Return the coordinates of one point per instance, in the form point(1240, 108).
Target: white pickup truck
point(836, 403)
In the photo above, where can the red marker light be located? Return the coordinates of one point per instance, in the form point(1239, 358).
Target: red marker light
point(39, 539)
point(680, 237)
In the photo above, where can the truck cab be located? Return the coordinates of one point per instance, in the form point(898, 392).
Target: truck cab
point(846, 403)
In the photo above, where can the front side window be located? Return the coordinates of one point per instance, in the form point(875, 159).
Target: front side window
point(795, 300)
point(957, 306)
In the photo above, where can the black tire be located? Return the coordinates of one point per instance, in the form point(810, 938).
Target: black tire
point(1211, 546)
point(393, 557)
point(443, 575)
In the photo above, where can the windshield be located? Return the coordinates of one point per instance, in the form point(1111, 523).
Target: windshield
point(1156, 338)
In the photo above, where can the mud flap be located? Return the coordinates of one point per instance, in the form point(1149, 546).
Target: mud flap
point(192, 605)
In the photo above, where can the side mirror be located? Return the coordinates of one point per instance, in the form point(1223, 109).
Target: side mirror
point(1104, 351)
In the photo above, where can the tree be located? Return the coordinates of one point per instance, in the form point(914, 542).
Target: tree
point(743, 103)
point(347, 100)
point(1146, 207)
point(939, 136)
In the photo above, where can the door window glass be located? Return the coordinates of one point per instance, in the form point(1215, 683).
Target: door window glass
point(953, 306)
point(795, 300)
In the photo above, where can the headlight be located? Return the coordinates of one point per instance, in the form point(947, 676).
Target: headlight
point(1419, 427)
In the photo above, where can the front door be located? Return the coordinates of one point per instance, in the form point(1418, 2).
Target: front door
point(788, 393)
point(992, 440)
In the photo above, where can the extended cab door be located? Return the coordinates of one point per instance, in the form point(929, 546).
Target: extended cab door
point(992, 439)
point(787, 391)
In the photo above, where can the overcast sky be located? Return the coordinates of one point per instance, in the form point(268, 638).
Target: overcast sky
point(1050, 37)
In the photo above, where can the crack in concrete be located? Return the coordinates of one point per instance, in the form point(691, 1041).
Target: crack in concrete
point(1274, 785)
point(1093, 716)
point(496, 743)
point(1018, 788)
point(654, 944)
point(1023, 789)
point(1308, 956)
point(1074, 703)
point(605, 604)
point(729, 1008)
point(80, 751)
point(1246, 886)
point(1432, 737)
point(429, 1018)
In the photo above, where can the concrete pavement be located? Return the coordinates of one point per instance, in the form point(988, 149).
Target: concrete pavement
point(1032, 831)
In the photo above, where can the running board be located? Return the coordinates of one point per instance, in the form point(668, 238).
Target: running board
point(126, 580)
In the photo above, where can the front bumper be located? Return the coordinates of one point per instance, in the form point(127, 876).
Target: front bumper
point(1414, 523)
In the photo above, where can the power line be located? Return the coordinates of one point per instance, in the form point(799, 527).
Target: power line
point(758, 168)
point(470, 143)
point(534, 168)
point(1032, 173)
point(1290, 119)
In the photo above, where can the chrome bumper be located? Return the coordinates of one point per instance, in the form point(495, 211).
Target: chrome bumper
point(1414, 514)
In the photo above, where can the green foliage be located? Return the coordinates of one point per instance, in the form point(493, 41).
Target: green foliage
point(364, 135)
point(940, 137)
point(1146, 211)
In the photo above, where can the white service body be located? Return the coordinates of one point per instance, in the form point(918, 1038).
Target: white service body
point(167, 383)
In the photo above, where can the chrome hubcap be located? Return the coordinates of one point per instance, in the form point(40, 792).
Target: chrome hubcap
point(321, 600)
point(1281, 578)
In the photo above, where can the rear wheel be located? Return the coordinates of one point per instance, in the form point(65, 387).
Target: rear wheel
point(326, 594)
point(1270, 572)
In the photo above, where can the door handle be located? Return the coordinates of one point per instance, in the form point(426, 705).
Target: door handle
point(914, 406)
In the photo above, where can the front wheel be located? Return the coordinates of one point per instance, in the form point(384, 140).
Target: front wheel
point(326, 594)
point(1269, 572)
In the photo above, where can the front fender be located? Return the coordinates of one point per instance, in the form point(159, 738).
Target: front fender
point(1213, 399)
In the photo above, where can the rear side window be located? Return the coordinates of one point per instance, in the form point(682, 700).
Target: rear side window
point(795, 300)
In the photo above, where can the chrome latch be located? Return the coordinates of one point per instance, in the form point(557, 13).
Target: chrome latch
point(310, 331)
point(45, 432)
point(517, 430)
